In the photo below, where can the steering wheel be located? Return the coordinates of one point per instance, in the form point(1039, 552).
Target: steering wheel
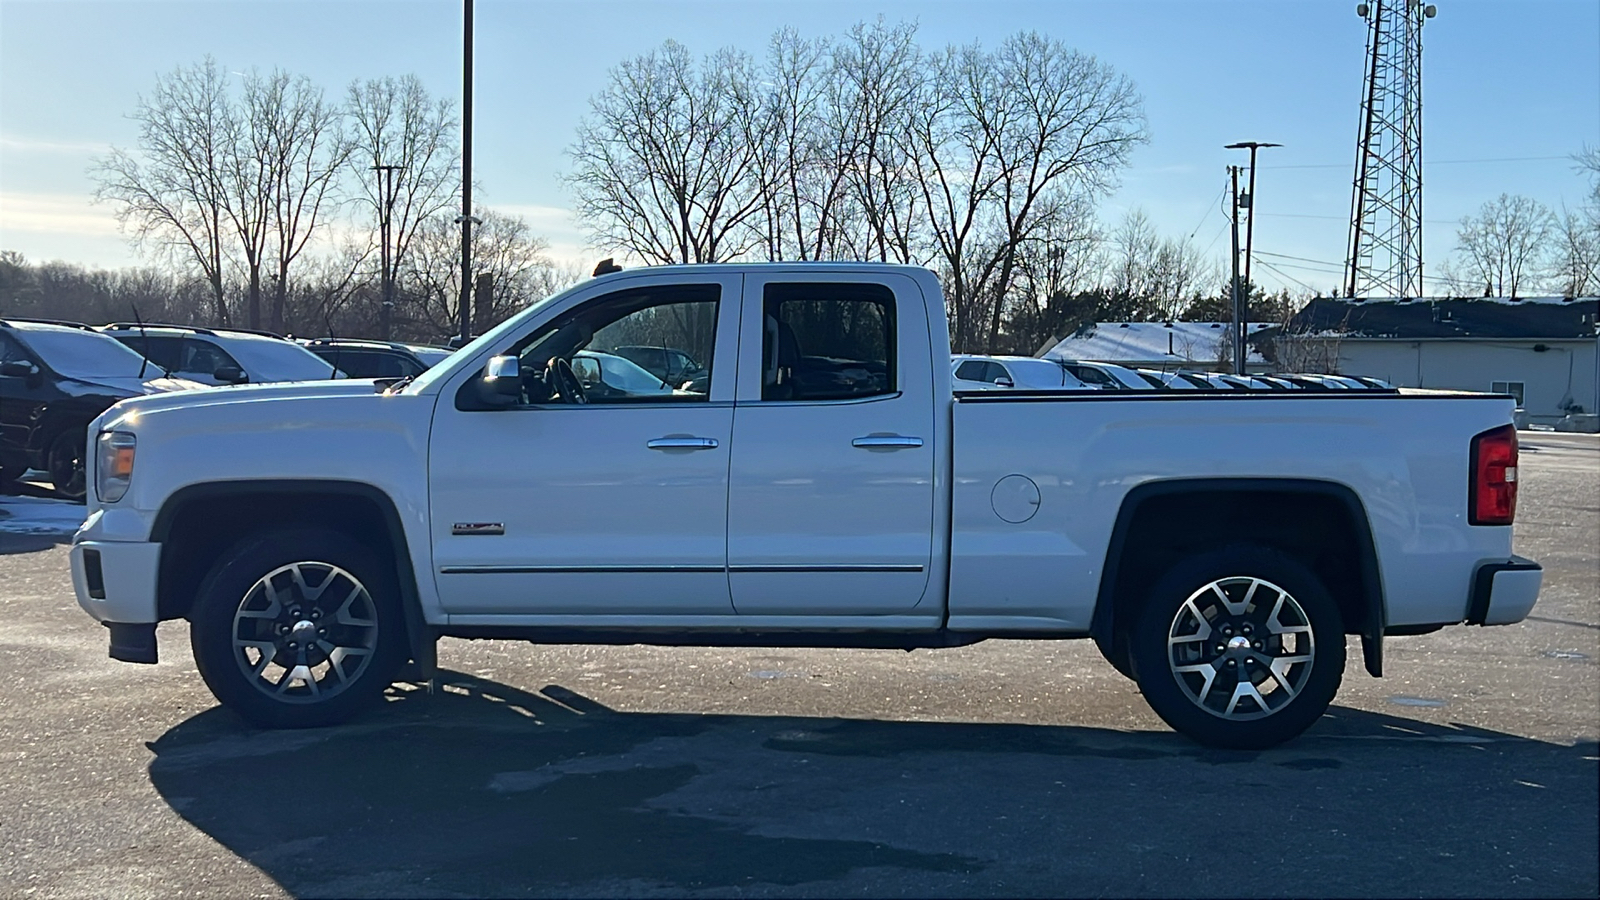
point(559, 375)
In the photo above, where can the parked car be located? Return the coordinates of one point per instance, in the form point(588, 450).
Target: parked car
point(376, 359)
point(611, 378)
point(1023, 373)
point(55, 377)
point(317, 548)
point(1104, 375)
point(668, 364)
point(1169, 380)
point(222, 355)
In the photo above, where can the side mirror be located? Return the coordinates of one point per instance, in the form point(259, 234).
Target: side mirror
point(230, 375)
point(501, 382)
point(18, 368)
point(1003, 381)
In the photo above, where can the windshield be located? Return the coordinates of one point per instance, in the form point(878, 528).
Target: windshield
point(268, 360)
point(86, 354)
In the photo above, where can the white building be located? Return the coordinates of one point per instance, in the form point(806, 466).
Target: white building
point(1542, 350)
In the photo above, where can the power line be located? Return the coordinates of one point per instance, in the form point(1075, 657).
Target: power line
point(1434, 162)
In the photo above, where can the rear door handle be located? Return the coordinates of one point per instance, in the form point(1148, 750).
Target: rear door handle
point(682, 443)
point(886, 442)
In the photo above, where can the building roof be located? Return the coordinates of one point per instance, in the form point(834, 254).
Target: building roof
point(1151, 343)
point(1547, 318)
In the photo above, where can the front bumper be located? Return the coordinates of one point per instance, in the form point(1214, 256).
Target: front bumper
point(116, 580)
point(1504, 592)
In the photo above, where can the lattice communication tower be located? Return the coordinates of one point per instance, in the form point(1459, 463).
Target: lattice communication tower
point(1385, 249)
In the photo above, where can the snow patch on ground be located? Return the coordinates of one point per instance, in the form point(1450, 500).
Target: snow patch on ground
point(39, 515)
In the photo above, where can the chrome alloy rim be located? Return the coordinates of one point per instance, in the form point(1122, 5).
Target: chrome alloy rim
point(1241, 648)
point(304, 632)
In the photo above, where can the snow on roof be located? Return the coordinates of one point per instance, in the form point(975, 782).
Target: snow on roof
point(1150, 343)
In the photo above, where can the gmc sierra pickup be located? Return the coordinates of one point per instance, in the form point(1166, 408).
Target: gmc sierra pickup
point(817, 485)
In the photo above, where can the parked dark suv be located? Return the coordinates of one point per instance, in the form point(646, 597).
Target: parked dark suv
point(377, 359)
point(55, 377)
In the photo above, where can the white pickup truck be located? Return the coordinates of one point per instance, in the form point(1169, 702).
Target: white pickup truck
point(819, 485)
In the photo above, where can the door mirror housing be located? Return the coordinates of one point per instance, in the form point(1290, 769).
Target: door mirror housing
point(501, 381)
point(1003, 381)
point(230, 375)
point(18, 368)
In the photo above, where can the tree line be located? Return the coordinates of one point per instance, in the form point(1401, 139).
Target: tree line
point(986, 165)
point(257, 198)
point(1516, 246)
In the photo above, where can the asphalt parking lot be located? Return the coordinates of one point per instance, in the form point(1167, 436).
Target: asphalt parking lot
point(1003, 769)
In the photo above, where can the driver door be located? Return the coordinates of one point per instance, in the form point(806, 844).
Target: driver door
point(615, 507)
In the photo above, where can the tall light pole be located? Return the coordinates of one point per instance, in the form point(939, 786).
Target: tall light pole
point(385, 214)
point(1240, 324)
point(464, 307)
point(1236, 295)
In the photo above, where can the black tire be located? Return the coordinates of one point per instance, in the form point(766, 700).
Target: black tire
point(1197, 689)
point(64, 462)
point(330, 591)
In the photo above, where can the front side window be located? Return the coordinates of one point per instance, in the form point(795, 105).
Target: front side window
point(11, 351)
point(612, 346)
point(827, 342)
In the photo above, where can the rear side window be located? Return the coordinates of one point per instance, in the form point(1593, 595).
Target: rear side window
point(971, 370)
point(827, 342)
point(164, 351)
point(204, 357)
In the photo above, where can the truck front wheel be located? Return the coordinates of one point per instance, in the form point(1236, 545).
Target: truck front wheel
point(1241, 647)
point(297, 628)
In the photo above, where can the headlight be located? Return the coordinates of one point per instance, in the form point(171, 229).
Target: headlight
point(115, 467)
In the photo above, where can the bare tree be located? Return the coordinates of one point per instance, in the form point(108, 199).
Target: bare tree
point(395, 122)
point(1578, 234)
point(997, 135)
point(666, 163)
point(1064, 120)
point(502, 247)
point(873, 83)
point(1502, 249)
point(170, 196)
point(307, 149)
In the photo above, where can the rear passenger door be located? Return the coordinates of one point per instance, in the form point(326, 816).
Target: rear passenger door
point(831, 480)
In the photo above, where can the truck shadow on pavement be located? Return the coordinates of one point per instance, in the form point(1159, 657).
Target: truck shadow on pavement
point(482, 789)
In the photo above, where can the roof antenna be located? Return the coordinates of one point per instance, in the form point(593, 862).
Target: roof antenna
point(333, 342)
point(606, 267)
point(144, 341)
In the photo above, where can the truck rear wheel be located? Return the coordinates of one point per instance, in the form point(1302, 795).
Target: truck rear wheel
point(1241, 647)
point(298, 628)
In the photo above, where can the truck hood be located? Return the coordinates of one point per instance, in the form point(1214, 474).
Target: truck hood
point(277, 393)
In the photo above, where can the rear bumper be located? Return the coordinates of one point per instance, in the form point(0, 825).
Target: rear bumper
point(1504, 592)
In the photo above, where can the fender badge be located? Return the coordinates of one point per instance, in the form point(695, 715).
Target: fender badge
point(477, 528)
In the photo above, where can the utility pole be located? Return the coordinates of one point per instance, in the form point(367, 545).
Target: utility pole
point(385, 215)
point(1238, 296)
point(464, 302)
point(1242, 326)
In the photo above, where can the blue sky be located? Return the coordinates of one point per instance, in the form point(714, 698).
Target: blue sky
point(1511, 90)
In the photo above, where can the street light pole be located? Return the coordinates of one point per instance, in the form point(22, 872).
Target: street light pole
point(464, 309)
point(1237, 296)
point(1249, 241)
point(385, 214)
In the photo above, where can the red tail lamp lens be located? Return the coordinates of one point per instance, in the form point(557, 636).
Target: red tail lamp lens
point(1492, 498)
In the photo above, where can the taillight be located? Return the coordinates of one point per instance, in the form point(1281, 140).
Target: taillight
point(1492, 496)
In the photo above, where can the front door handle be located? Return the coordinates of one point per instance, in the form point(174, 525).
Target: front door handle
point(886, 442)
point(682, 443)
